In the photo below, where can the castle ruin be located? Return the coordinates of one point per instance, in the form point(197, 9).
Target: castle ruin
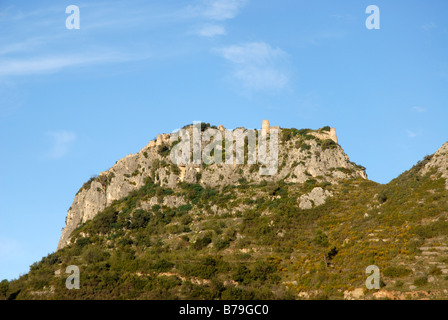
point(320, 134)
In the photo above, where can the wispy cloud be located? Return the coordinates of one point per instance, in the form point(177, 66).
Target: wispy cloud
point(218, 10)
point(257, 65)
point(212, 30)
point(41, 43)
point(21, 46)
point(413, 134)
point(28, 66)
point(418, 109)
point(215, 11)
point(12, 14)
point(61, 143)
point(253, 52)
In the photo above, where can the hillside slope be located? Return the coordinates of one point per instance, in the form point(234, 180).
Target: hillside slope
point(255, 239)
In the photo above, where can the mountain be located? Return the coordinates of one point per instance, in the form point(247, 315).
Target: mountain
point(306, 155)
point(149, 229)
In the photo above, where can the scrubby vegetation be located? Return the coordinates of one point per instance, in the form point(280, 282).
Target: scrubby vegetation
point(250, 241)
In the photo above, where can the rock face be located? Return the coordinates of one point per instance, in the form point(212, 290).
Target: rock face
point(355, 294)
point(304, 155)
point(315, 198)
point(439, 163)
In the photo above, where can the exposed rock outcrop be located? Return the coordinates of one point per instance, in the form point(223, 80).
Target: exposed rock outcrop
point(315, 198)
point(304, 155)
point(439, 163)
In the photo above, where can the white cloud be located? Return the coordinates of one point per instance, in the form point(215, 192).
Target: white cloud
point(413, 134)
point(215, 10)
point(211, 30)
point(257, 65)
point(23, 46)
point(418, 109)
point(27, 66)
point(61, 143)
point(218, 10)
point(251, 53)
point(41, 44)
point(261, 78)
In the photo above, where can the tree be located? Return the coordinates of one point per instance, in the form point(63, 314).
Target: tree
point(321, 239)
point(4, 288)
point(140, 219)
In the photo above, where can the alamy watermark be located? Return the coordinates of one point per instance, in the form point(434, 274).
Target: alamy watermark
point(72, 282)
point(373, 280)
point(373, 21)
point(73, 20)
point(226, 147)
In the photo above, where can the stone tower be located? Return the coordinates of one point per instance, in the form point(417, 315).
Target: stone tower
point(333, 135)
point(265, 126)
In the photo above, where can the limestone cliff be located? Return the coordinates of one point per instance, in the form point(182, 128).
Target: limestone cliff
point(303, 155)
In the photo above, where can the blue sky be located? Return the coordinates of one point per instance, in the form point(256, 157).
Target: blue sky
point(72, 102)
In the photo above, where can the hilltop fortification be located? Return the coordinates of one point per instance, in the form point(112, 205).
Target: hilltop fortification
point(303, 155)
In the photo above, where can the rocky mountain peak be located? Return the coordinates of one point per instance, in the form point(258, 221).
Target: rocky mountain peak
point(303, 155)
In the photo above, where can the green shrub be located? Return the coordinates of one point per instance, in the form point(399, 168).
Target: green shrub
point(432, 230)
point(135, 173)
point(185, 208)
point(382, 197)
point(51, 259)
point(93, 255)
point(421, 281)
point(186, 220)
point(221, 243)
point(162, 265)
point(321, 239)
point(175, 169)
point(140, 219)
point(104, 220)
point(332, 253)
point(435, 271)
point(206, 268)
point(86, 185)
point(82, 242)
point(163, 150)
point(233, 294)
point(343, 170)
point(202, 242)
point(305, 146)
point(4, 288)
point(168, 282)
point(328, 144)
point(262, 270)
point(396, 272)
